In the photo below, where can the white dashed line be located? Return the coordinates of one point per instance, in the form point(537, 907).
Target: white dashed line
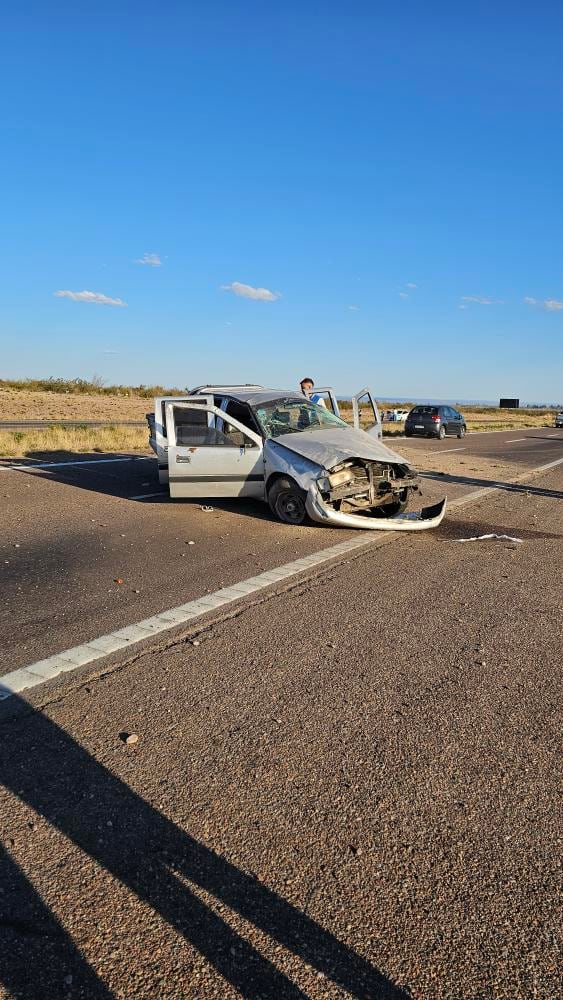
point(96, 649)
point(448, 451)
point(515, 440)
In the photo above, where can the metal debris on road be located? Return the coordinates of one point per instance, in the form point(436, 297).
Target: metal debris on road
point(482, 538)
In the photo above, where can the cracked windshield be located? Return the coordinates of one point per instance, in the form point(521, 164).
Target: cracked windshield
point(290, 416)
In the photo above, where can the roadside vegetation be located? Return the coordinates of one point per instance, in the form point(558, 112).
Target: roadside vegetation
point(57, 442)
point(56, 400)
point(83, 387)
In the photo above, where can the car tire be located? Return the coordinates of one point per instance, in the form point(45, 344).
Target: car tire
point(442, 433)
point(287, 501)
point(462, 432)
point(408, 434)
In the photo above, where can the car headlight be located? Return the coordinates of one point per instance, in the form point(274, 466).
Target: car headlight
point(339, 478)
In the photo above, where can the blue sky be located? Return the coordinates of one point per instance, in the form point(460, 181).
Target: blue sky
point(389, 173)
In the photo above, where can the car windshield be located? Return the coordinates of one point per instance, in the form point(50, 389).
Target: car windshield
point(293, 416)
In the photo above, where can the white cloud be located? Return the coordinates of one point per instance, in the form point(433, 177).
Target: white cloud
point(249, 292)
point(464, 307)
point(411, 284)
point(481, 300)
point(85, 296)
point(551, 305)
point(111, 352)
point(354, 308)
point(403, 295)
point(152, 259)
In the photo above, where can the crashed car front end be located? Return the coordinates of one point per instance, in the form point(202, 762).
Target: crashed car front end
point(364, 494)
point(354, 492)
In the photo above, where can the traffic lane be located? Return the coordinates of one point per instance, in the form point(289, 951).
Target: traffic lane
point(528, 448)
point(78, 559)
point(368, 756)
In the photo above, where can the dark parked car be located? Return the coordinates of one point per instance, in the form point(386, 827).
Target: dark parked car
point(435, 421)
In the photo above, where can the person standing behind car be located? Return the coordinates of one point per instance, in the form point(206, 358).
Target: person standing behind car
point(307, 388)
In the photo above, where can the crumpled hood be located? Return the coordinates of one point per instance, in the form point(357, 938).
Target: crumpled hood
point(333, 445)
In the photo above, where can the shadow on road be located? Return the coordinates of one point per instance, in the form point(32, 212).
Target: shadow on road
point(538, 491)
point(48, 771)
point(122, 476)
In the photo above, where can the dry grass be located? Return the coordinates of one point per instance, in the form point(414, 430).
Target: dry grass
point(21, 404)
point(56, 441)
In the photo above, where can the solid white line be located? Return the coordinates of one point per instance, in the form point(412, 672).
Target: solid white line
point(96, 649)
point(85, 461)
point(515, 440)
point(448, 451)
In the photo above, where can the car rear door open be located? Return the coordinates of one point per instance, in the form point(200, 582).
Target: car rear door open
point(205, 461)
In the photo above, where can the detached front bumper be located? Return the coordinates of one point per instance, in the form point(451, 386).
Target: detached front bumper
point(428, 517)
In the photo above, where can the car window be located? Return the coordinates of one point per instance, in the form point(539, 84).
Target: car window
point(193, 430)
point(292, 416)
point(242, 413)
point(420, 410)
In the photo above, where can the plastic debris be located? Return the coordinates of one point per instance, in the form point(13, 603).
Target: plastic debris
point(206, 508)
point(482, 538)
point(118, 580)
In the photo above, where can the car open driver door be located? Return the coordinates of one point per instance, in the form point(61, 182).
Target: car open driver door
point(204, 461)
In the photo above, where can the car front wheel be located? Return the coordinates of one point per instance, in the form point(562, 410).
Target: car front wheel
point(287, 501)
point(461, 432)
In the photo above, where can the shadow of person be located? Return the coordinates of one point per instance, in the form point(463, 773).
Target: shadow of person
point(45, 768)
point(37, 956)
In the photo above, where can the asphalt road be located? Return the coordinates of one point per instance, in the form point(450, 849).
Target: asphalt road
point(71, 530)
point(344, 787)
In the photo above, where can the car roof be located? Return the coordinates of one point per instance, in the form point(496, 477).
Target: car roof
point(253, 394)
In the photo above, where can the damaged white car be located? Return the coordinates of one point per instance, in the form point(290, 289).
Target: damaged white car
point(298, 456)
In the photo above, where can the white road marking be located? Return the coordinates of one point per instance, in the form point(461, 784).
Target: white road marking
point(515, 440)
point(553, 435)
point(124, 638)
point(144, 496)
point(85, 461)
point(448, 451)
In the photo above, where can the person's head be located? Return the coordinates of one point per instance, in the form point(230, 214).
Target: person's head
point(307, 385)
